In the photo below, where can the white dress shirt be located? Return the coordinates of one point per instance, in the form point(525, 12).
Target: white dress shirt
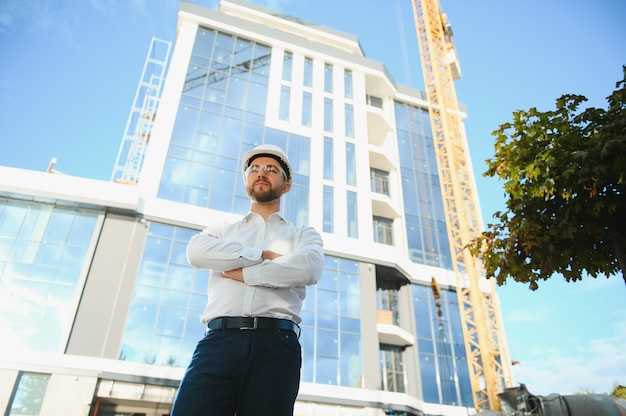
point(271, 288)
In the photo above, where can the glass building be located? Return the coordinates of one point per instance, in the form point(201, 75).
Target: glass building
point(99, 308)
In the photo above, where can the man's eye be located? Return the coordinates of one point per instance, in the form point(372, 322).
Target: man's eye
point(271, 169)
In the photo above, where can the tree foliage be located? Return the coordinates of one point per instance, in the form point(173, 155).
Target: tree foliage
point(563, 173)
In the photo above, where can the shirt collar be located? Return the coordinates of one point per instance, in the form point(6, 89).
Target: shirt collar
point(251, 214)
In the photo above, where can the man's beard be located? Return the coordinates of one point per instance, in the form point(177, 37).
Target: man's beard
point(268, 195)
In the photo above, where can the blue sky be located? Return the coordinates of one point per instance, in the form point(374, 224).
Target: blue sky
point(69, 70)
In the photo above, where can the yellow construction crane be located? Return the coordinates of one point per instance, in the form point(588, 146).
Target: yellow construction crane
point(487, 356)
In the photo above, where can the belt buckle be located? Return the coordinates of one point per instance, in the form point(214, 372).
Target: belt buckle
point(255, 322)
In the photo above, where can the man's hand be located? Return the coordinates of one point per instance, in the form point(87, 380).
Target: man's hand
point(235, 274)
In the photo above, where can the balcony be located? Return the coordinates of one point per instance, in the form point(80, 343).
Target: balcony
point(391, 334)
point(383, 206)
point(377, 126)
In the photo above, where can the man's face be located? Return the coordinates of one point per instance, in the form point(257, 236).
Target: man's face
point(265, 186)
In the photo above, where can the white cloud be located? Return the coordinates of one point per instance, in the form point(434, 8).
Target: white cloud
point(597, 366)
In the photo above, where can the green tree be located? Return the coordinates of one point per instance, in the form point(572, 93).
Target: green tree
point(563, 174)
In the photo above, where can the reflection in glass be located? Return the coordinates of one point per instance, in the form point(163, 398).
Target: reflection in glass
point(328, 158)
point(228, 80)
point(307, 108)
point(350, 164)
point(283, 111)
point(28, 398)
point(328, 209)
point(392, 373)
point(353, 230)
point(163, 323)
point(331, 326)
point(43, 253)
point(428, 241)
point(308, 72)
point(443, 363)
point(347, 79)
point(328, 78)
point(349, 120)
point(328, 115)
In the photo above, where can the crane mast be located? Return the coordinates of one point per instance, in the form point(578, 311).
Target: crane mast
point(488, 361)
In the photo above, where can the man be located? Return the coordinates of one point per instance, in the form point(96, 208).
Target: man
point(249, 361)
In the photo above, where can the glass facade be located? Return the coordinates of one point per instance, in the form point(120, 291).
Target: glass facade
point(423, 205)
point(44, 254)
point(163, 324)
point(442, 357)
point(331, 327)
point(221, 115)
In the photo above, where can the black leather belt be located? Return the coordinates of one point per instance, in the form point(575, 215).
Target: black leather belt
point(253, 322)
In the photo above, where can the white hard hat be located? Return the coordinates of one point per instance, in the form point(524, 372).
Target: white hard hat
point(267, 150)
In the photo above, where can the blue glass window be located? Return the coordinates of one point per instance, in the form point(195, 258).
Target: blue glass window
point(350, 164)
point(443, 363)
point(44, 250)
point(283, 111)
point(287, 65)
point(347, 79)
point(227, 77)
point(28, 397)
point(221, 115)
point(328, 158)
point(328, 114)
point(163, 325)
point(296, 201)
point(308, 72)
point(331, 327)
point(328, 78)
point(349, 120)
point(307, 108)
point(353, 230)
point(423, 204)
point(328, 209)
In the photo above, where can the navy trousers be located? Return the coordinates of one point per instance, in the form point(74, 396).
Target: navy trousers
point(243, 373)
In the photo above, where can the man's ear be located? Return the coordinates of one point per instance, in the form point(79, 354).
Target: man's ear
point(286, 187)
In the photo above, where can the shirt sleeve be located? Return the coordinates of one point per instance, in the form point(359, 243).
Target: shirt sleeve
point(208, 250)
point(302, 267)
